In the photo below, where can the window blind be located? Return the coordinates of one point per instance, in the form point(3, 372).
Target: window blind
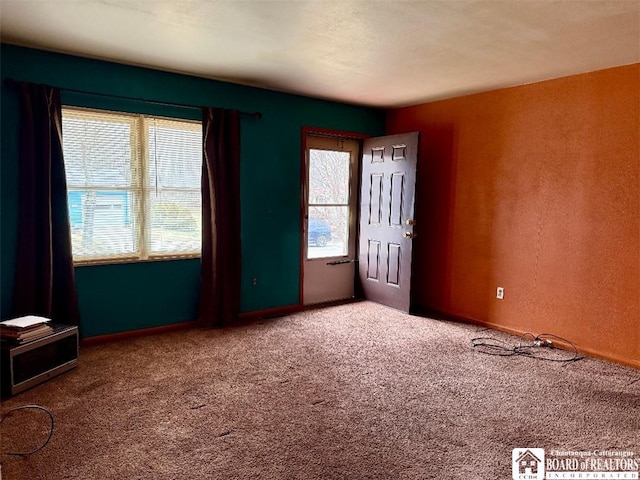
point(133, 183)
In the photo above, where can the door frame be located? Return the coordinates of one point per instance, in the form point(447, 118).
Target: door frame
point(323, 132)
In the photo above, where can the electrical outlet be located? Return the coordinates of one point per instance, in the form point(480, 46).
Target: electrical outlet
point(254, 281)
point(500, 293)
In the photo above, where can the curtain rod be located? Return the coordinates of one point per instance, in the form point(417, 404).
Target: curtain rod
point(13, 82)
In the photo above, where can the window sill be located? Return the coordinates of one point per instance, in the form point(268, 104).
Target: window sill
point(122, 260)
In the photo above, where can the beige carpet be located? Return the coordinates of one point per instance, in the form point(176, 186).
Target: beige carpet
point(349, 392)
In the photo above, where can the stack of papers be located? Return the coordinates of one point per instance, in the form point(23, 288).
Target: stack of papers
point(25, 329)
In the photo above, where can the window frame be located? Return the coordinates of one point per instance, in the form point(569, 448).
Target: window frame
point(140, 189)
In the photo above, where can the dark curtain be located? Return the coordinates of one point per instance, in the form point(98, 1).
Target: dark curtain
point(45, 281)
point(221, 264)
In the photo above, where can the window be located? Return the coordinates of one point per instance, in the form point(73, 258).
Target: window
point(329, 201)
point(133, 184)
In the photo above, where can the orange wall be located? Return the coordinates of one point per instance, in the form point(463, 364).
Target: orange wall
point(537, 189)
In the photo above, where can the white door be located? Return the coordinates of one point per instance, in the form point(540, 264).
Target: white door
point(330, 196)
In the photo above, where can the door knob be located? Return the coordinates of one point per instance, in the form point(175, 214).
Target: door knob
point(409, 235)
point(411, 221)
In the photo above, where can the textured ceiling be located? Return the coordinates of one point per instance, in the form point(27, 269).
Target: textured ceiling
point(378, 53)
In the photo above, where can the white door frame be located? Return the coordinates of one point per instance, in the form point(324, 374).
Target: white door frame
point(330, 278)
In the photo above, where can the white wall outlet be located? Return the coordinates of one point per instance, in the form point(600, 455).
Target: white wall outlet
point(500, 293)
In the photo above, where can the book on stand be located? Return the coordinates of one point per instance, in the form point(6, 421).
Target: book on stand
point(24, 329)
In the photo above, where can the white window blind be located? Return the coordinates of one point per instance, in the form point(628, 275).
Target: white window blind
point(133, 183)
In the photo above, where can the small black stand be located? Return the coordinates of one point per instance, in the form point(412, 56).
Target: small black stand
point(27, 365)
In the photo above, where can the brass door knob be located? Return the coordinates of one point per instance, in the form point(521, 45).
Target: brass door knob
point(409, 235)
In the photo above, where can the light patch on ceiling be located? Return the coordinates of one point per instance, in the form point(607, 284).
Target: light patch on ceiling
point(381, 54)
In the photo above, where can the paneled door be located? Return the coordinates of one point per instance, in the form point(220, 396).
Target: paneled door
point(386, 218)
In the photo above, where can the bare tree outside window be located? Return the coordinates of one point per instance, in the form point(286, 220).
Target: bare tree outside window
point(328, 224)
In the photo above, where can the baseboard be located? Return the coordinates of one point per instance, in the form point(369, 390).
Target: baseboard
point(270, 312)
point(137, 333)
point(514, 331)
point(289, 309)
point(333, 303)
point(267, 313)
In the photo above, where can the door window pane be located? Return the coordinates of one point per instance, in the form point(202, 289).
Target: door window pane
point(328, 177)
point(328, 231)
point(328, 214)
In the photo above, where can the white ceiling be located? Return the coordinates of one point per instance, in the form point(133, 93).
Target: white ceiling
point(377, 53)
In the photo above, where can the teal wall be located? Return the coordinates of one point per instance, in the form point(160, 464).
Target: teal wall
point(118, 298)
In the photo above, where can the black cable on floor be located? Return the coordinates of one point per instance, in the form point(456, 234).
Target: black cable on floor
point(35, 407)
point(539, 344)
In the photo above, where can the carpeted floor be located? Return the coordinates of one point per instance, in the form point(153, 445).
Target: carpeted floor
point(355, 391)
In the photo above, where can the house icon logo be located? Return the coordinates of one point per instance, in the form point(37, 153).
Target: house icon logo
point(528, 463)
